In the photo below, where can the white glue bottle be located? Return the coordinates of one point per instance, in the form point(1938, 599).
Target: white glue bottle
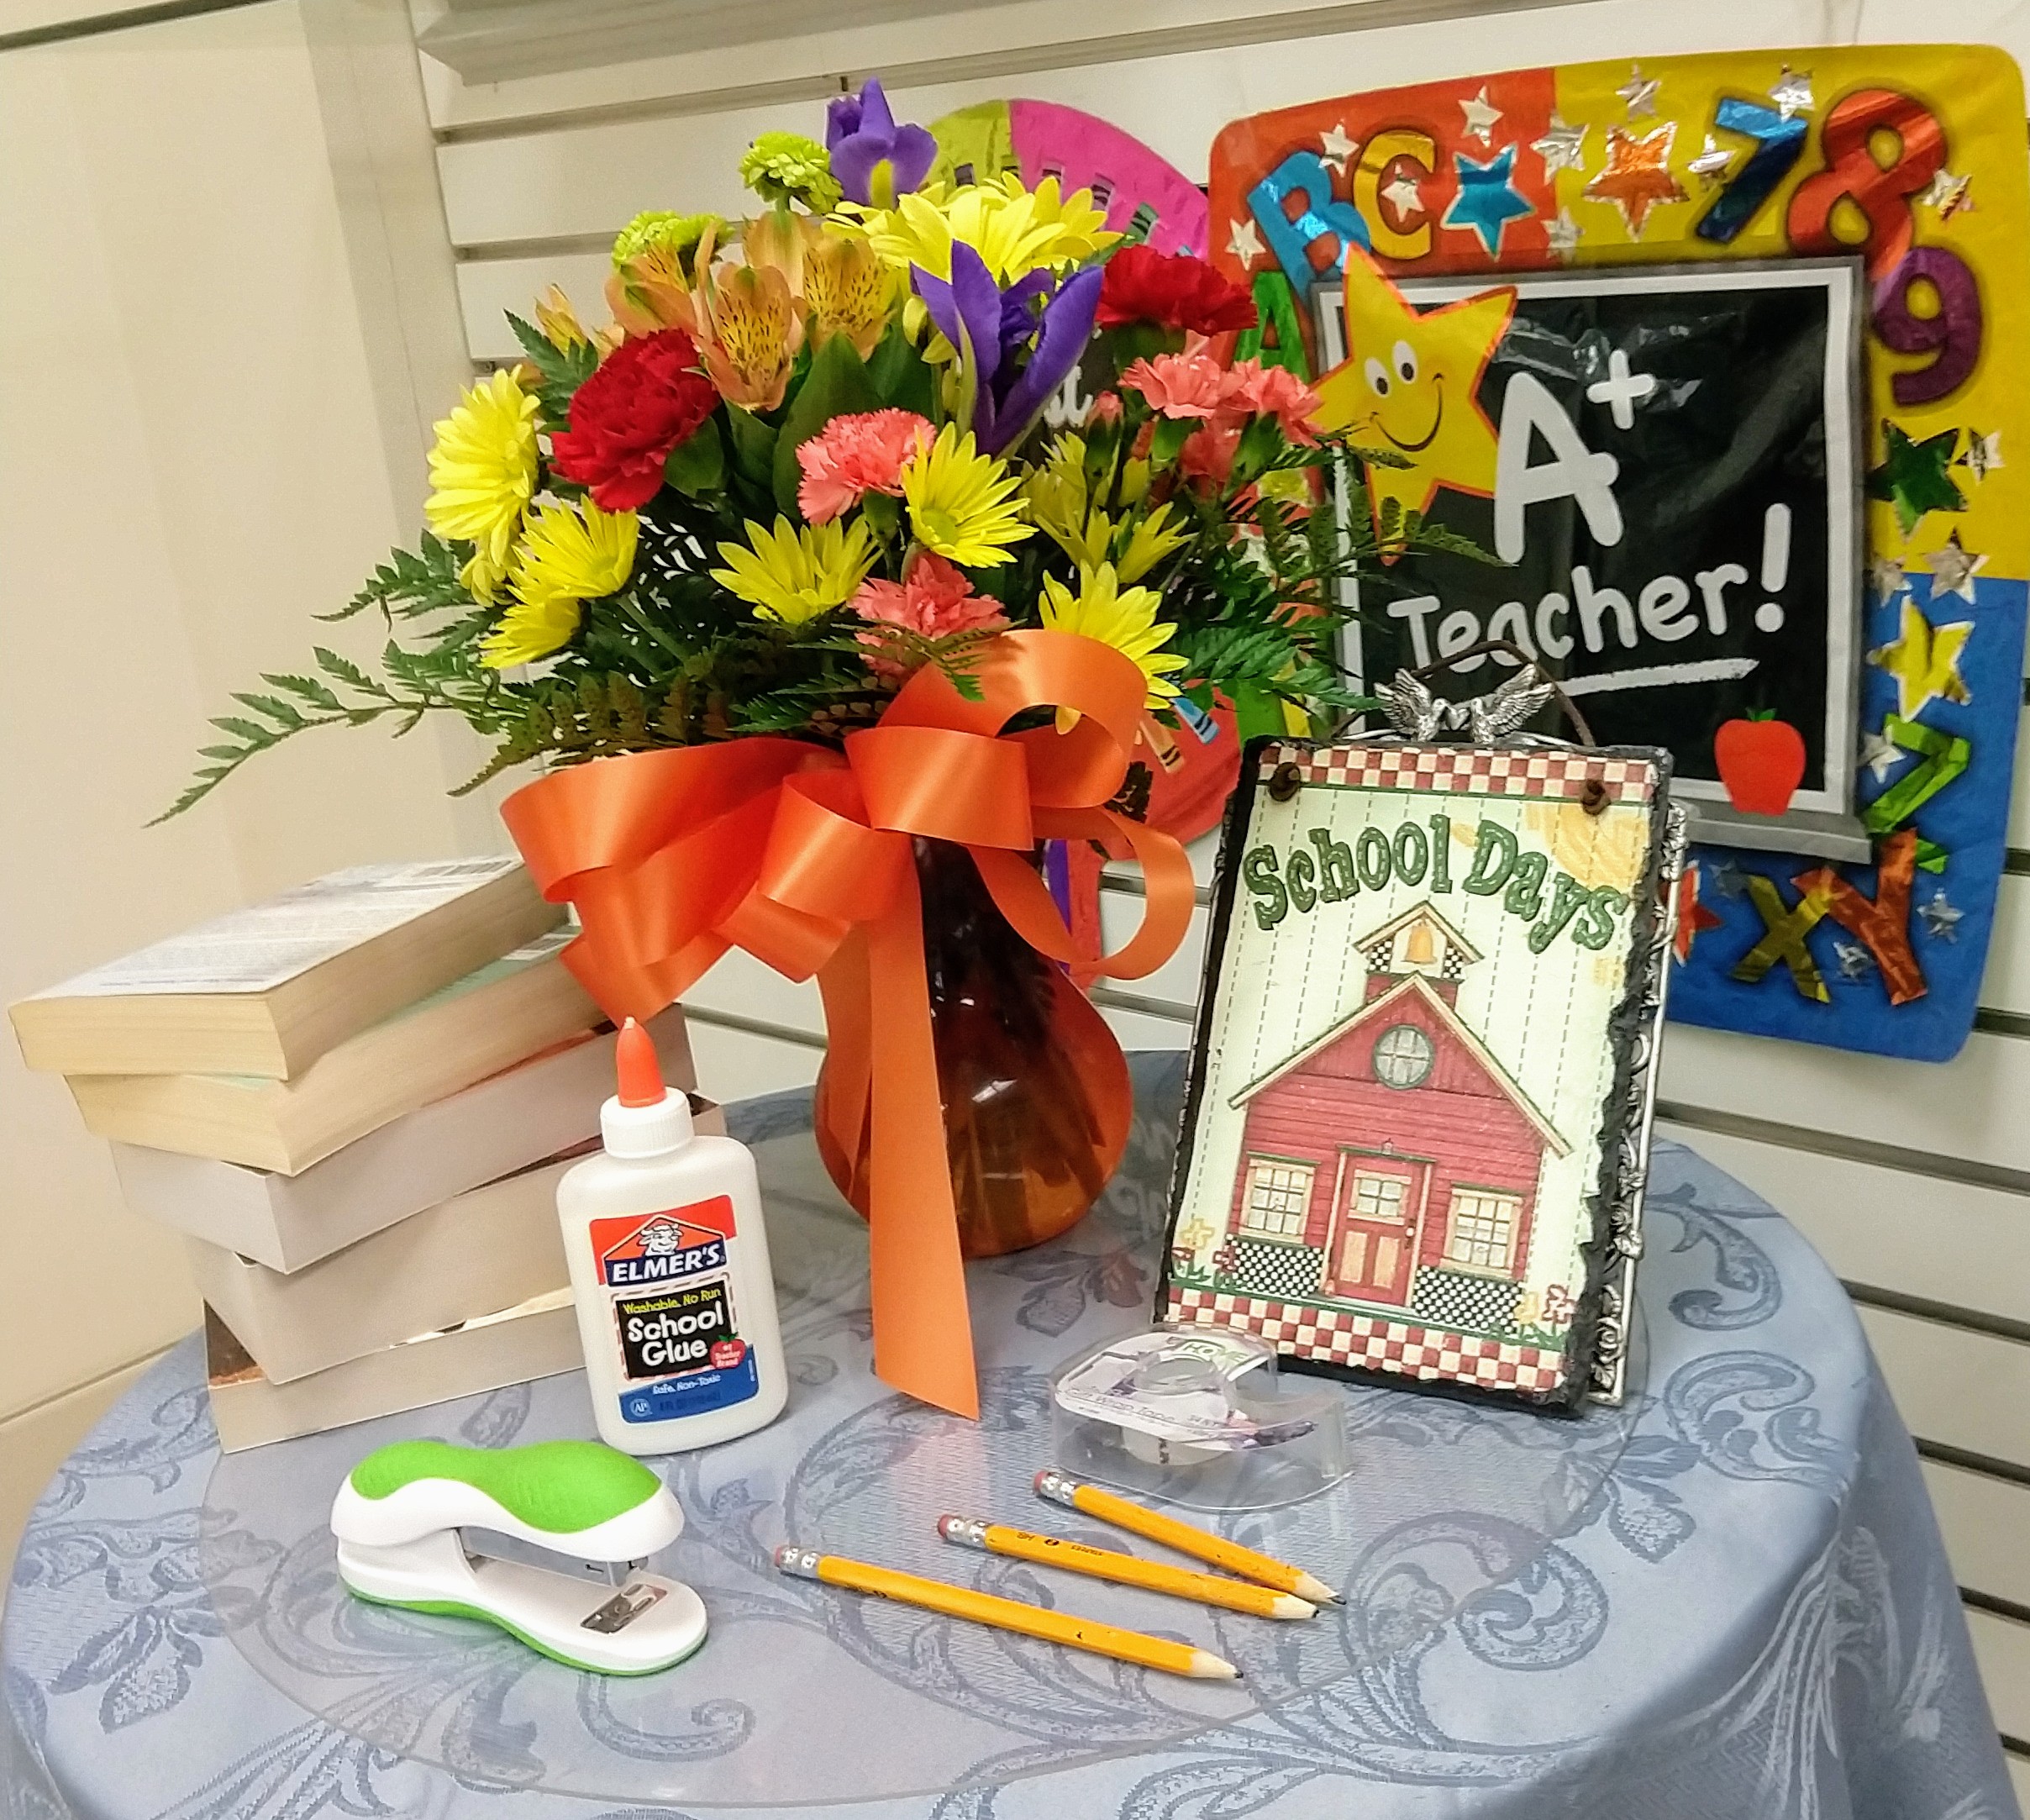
point(669, 1268)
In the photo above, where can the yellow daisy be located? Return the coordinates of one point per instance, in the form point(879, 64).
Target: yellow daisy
point(794, 575)
point(568, 555)
point(1124, 618)
point(1060, 504)
point(962, 503)
point(1014, 230)
point(529, 630)
point(482, 473)
point(1150, 539)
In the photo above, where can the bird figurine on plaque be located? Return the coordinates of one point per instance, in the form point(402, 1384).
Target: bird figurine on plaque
point(1417, 1124)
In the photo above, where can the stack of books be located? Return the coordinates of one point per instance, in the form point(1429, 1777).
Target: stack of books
point(354, 1102)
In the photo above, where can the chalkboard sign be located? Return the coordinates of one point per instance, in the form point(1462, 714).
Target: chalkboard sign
point(1667, 460)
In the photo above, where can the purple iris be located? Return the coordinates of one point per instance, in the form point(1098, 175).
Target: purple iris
point(860, 133)
point(991, 328)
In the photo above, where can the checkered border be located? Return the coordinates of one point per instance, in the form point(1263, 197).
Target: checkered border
point(1466, 771)
point(1281, 1269)
point(1334, 1337)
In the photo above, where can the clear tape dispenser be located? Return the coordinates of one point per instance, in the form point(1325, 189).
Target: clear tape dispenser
point(1200, 1416)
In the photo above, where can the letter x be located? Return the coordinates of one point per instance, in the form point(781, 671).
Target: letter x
point(1784, 929)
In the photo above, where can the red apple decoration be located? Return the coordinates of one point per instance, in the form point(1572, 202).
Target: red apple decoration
point(1762, 761)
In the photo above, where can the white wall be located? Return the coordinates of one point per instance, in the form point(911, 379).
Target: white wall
point(222, 298)
point(1914, 1180)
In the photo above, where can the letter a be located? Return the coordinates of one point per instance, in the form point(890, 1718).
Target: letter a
point(1573, 471)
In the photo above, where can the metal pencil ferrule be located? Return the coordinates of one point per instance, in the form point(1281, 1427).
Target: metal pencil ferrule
point(1058, 1488)
point(969, 1532)
point(801, 1562)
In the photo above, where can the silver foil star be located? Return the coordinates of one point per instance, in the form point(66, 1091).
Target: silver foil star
point(1563, 234)
point(1480, 116)
point(1729, 880)
point(1562, 148)
point(1946, 193)
point(1879, 754)
point(1940, 916)
point(1244, 242)
point(1402, 190)
point(1639, 92)
point(1337, 147)
point(1710, 165)
point(1983, 454)
point(1954, 567)
point(1792, 91)
point(1855, 960)
point(1885, 574)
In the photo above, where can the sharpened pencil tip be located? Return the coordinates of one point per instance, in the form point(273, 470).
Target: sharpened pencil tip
point(1311, 1587)
point(1288, 1605)
point(1208, 1667)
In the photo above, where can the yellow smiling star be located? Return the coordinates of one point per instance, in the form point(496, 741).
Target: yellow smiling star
point(1410, 382)
point(1924, 658)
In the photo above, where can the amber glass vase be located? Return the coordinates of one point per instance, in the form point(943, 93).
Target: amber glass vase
point(1035, 1089)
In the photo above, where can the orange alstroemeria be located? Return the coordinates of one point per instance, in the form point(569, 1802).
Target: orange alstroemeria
point(749, 330)
point(842, 287)
point(650, 292)
point(746, 319)
point(848, 290)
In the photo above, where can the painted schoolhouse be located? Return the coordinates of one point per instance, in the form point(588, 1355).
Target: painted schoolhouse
point(1393, 1161)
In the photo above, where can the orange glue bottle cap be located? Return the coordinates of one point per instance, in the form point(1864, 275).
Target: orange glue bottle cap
point(641, 1076)
point(643, 1119)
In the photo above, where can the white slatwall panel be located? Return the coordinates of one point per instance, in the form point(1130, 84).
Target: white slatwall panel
point(1981, 1519)
point(1953, 1242)
point(2003, 1646)
point(1912, 1180)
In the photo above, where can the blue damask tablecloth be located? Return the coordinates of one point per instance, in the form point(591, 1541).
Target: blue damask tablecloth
point(1728, 1598)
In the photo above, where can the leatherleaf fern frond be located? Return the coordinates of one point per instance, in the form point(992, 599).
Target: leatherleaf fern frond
point(341, 694)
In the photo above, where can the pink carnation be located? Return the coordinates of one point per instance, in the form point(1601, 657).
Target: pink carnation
point(1190, 384)
point(1104, 409)
point(852, 455)
point(1277, 392)
point(1208, 453)
point(936, 600)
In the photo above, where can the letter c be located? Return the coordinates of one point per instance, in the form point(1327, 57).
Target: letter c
point(1552, 607)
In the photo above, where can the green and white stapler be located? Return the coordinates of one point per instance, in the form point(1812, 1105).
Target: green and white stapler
point(397, 1519)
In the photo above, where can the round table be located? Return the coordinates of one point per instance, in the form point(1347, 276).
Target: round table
point(1727, 1597)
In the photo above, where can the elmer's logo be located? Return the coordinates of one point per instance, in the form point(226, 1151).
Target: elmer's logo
point(663, 1247)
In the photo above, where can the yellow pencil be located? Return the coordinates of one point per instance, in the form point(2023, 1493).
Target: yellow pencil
point(1007, 1614)
point(1127, 1569)
point(1187, 1538)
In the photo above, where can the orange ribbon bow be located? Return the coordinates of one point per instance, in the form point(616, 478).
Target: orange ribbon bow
point(804, 859)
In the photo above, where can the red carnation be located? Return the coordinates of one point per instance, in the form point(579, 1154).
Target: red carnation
point(1173, 289)
point(641, 401)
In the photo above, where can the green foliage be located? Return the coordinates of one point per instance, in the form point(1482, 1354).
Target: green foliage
point(561, 371)
point(570, 720)
point(344, 695)
point(697, 464)
point(838, 383)
point(410, 586)
point(903, 379)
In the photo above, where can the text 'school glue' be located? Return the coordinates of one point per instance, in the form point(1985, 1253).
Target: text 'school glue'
point(669, 1266)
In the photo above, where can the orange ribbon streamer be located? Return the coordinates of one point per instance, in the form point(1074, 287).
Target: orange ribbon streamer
point(804, 858)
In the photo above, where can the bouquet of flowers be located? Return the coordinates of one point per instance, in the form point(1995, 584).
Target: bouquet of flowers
point(809, 456)
point(792, 550)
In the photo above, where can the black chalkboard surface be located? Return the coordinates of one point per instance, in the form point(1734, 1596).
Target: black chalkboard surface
point(1679, 506)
